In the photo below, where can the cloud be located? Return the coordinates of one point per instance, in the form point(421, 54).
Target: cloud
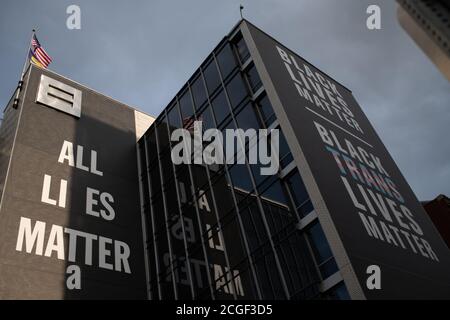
point(142, 52)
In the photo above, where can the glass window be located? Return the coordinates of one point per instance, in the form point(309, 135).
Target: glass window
point(223, 195)
point(163, 135)
point(220, 106)
point(186, 105)
point(235, 142)
point(211, 76)
point(269, 277)
point(236, 90)
point(322, 252)
point(241, 178)
point(276, 208)
point(167, 168)
point(276, 194)
point(155, 178)
point(252, 221)
point(300, 271)
point(260, 178)
point(242, 50)
point(246, 118)
point(174, 118)
point(305, 208)
point(198, 92)
point(152, 150)
point(297, 189)
point(258, 167)
point(284, 152)
point(338, 292)
point(206, 118)
point(267, 113)
point(253, 78)
point(225, 59)
point(172, 204)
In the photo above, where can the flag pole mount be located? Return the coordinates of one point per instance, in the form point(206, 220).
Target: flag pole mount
point(20, 84)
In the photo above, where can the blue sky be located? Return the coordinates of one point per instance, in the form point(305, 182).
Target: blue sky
point(141, 52)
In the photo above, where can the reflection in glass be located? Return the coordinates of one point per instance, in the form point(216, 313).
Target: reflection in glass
point(284, 152)
point(241, 178)
point(267, 113)
point(236, 90)
point(186, 105)
point(225, 59)
point(174, 118)
point(322, 252)
point(211, 76)
point(246, 118)
point(198, 92)
point(220, 106)
point(242, 50)
point(253, 78)
point(206, 118)
point(297, 189)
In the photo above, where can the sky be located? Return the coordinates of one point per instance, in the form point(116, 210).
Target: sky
point(141, 52)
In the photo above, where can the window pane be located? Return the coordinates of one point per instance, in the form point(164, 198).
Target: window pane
point(220, 106)
point(253, 78)
point(236, 90)
point(257, 168)
point(328, 268)
point(285, 152)
point(297, 189)
point(246, 119)
point(242, 50)
point(338, 292)
point(276, 208)
point(155, 179)
point(276, 194)
point(241, 178)
point(322, 250)
point(206, 118)
point(174, 118)
point(163, 136)
point(228, 155)
point(211, 76)
point(266, 109)
point(305, 208)
point(198, 92)
point(226, 61)
point(152, 150)
point(186, 105)
point(167, 169)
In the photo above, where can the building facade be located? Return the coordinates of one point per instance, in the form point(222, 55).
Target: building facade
point(428, 24)
point(337, 211)
point(94, 205)
point(70, 224)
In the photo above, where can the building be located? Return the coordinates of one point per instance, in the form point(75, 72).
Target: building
point(70, 224)
point(428, 24)
point(337, 209)
point(94, 205)
point(438, 210)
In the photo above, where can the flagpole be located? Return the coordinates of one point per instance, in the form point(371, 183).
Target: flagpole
point(27, 61)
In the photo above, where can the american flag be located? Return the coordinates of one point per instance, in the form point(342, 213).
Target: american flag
point(38, 55)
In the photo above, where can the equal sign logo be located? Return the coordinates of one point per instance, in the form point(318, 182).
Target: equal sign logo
point(60, 96)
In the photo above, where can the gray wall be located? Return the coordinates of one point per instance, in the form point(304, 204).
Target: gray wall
point(407, 271)
point(106, 126)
